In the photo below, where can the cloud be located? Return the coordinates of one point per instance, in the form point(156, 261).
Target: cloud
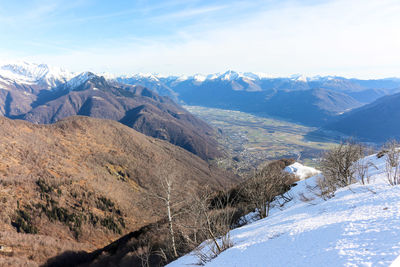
point(187, 13)
point(350, 38)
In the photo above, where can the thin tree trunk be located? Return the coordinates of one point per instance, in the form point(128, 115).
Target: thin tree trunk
point(171, 228)
point(212, 234)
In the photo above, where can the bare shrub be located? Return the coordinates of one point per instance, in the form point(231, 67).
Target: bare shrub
point(214, 217)
point(268, 185)
point(306, 199)
point(325, 188)
point(362, 170)
point(209, 251)
point(144, 254)
point(392, 166)
point(337, 167)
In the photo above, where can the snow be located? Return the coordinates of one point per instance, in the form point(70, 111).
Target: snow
point(229, 75)
point(213, 76)
point(254, 76)
point(107, 75)
point(27, 73)
point(262, 75)
point(359, 226)
point(302, 172)
point(396, 262)
point(147, 76)
point(199, 78)
point(32, 73)
point(79, 79)
point(299, 78)
point(182, 78)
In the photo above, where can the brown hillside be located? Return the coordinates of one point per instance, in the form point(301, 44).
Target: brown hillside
point(134, 106)
point(78, 184)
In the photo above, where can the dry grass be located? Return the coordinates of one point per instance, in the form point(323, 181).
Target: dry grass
point(30, 250)
point(82, 159)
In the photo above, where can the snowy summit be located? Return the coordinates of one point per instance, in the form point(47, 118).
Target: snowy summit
point(29, 73)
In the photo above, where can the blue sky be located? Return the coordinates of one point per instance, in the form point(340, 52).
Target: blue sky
point(353, 38)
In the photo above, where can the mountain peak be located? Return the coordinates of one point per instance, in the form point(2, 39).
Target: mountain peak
point(299, 78)
point(81, 79)
point(28, 73)
point(229, 75)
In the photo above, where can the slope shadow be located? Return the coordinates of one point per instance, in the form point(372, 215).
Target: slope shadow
point(119, 253)
point(45, 96)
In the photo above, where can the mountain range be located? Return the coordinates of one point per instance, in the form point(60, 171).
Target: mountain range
point(81, 153)
point(147, 102)
point(39, 94)
point(364, 91)
point(364, 109)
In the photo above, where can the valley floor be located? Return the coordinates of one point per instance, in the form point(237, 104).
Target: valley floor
point(252, 139)
point(360, 226)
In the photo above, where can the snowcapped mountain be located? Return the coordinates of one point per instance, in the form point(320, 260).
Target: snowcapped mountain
point(229, 75)
point(79, 79)
point(232, 75)
point(266, 81)
point(359, 226)
point(312, 101)
point(33, 74)
point(22, 72)
point(178, 87)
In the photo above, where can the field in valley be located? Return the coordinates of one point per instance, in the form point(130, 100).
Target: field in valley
point(251, 140)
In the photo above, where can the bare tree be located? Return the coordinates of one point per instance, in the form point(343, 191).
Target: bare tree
point(392, 166)
point(267, 186)
point(168, 198)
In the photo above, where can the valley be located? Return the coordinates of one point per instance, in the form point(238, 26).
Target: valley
point(251, 140)
point(95, 162)
point(93, 159)
point(199, 133)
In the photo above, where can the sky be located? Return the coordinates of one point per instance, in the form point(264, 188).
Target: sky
point(350, 38)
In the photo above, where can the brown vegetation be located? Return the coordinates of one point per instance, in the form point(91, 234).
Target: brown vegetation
point(134, 106)
point(193, 218)
point(337, 167)
point(266, 187)
point(82, 181)
point(392, 166)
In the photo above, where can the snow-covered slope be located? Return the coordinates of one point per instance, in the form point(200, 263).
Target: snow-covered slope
point(31, 73)
point(79, 79)
point(302, 172)
point(360, 226)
